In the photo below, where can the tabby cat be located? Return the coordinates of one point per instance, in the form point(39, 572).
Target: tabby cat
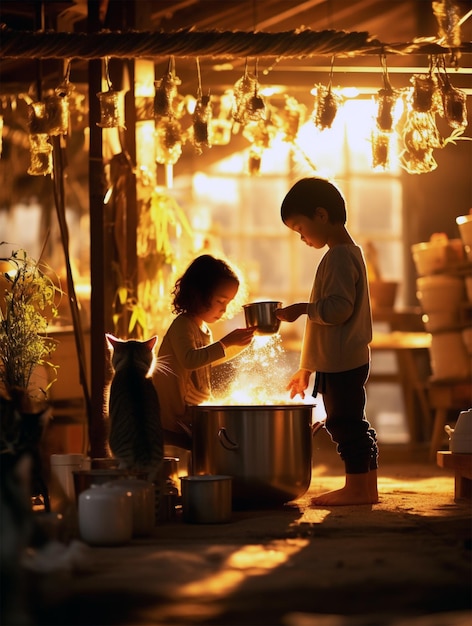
point(136, 436)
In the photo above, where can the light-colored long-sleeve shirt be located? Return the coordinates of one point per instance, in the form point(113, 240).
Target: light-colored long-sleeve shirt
point(182, 377)
point(338, 328)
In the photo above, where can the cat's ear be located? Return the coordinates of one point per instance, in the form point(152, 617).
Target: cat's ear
point(111, 340)
point(151, 342)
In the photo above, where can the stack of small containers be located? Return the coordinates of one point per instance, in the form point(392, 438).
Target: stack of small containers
point(444, 291)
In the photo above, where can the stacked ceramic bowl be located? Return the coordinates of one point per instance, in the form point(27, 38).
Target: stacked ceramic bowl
point(441, 291)
point(464, 223)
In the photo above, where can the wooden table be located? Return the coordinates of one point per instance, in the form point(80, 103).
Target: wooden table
point(407, 347)
point(462, 466)
point(445, 396)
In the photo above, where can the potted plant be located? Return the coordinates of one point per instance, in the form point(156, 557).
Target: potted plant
point(29, 298)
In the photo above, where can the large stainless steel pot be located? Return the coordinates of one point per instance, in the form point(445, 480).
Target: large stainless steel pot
point(266, 449)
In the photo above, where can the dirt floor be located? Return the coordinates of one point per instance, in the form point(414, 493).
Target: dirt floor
point(404, 562)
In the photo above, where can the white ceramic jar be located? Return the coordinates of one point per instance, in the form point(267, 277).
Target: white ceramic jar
point(105, 516)
point(143, 496)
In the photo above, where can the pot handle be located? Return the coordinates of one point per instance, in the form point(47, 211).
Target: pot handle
point(226, 441)
point(317, 426)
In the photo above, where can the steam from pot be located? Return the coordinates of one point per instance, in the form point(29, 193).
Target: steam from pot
point(258, 376)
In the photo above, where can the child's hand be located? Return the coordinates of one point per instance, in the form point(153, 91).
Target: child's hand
point(292, 312)
point(238, 337)
point(298, 383)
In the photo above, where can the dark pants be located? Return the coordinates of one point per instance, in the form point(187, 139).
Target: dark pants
point(344, 399)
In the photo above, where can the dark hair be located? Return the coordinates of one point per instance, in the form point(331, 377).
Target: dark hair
point(194, 290)
point(308, 194)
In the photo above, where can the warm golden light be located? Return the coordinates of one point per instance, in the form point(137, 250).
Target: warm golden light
point(248, 561)
point(253, 381)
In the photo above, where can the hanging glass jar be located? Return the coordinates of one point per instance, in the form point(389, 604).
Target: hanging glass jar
point(111, 109)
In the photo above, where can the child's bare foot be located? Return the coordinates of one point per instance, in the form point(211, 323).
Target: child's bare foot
point(373, 491)
point(358, 489)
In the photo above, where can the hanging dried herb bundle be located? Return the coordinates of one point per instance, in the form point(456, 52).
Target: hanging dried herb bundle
point(248, 104)
point(202, 117)
point(168, 135)
point(425, 95)
point(453, 103)
point(291, 117)
point(448, 18)
point(166, 92)
point(420, 136)
point(386, 99)
point(380, 149)
point(201, 121)
point(326, 103)
point(326, 107)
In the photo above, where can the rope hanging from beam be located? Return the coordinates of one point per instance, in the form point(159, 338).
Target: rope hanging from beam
point(213, 44)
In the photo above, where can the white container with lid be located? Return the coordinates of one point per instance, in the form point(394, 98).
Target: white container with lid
point(461, 435)
point(105, 516)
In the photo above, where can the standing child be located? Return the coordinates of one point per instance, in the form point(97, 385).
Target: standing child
point(337, 334)
point(183, 375)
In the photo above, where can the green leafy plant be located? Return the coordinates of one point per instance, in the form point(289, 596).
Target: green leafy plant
point(29, 302)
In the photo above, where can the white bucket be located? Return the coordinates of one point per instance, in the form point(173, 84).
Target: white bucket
point(437, 255)
point(440, 293)
point(464, 223)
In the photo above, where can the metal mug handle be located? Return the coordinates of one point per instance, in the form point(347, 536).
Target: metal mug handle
point(226, 441)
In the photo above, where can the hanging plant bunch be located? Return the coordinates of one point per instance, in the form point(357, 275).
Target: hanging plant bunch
point(386, 100)
point(30, 301)
point(381, 150)
point(429, 97)
point(454, 107)
point(163, 232)
point(111, 104)
point(291, 117)
point(166, 92)
point(168, 131)
point(326, 107)
point(201, 123)
point(202, 116)
point(326, 103)
point(420, 133)
point(47, 118)
point(248, 104)
point(447, 15)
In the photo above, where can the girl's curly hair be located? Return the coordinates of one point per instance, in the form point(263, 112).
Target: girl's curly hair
point(194, 290)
